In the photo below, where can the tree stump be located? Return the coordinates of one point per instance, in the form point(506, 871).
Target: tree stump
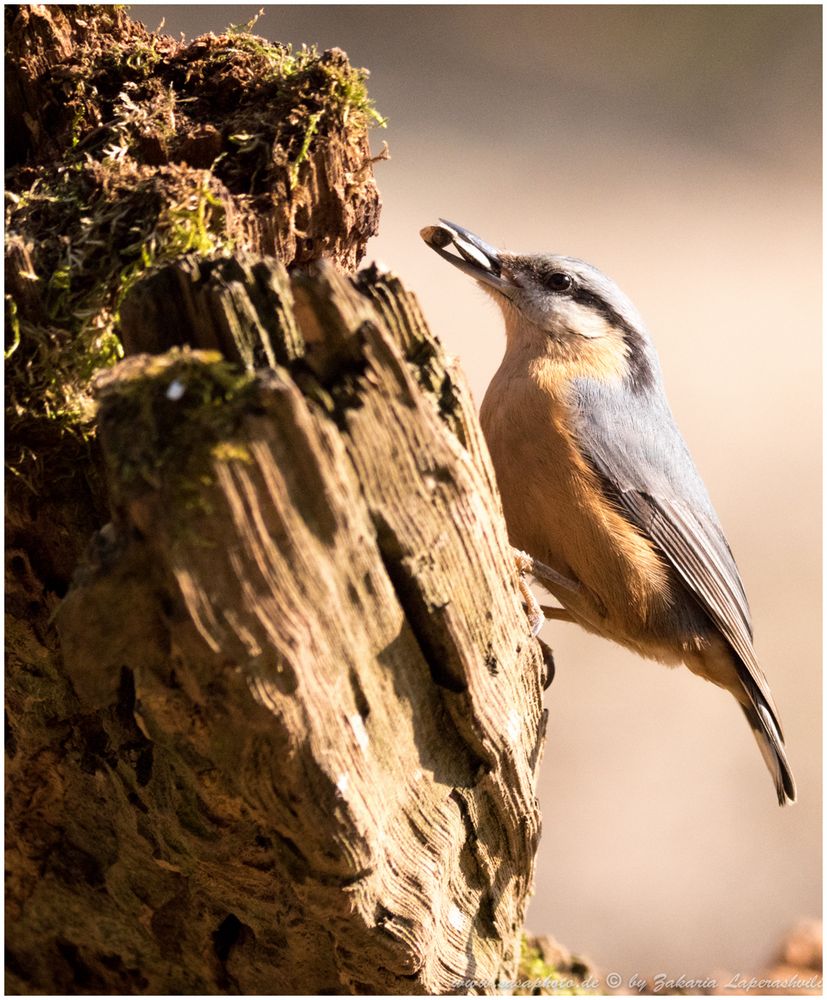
point(281, 733)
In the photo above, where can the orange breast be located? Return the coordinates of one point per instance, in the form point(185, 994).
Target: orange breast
point(556, 510)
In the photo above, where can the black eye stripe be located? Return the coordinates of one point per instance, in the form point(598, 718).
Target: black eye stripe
point(642, 376)
point(594, 301)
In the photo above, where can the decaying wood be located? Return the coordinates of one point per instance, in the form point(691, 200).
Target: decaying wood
point(129, 149)
point(308, 712)
point(281, 735)
point(283, 134)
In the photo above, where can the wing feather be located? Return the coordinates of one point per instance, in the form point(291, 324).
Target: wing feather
point(646, 470)
point(701, 557)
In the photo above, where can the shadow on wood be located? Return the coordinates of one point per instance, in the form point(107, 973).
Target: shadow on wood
point(308, 704)
point(281, 734)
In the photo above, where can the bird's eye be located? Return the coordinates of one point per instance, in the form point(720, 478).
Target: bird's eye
point(559, 281)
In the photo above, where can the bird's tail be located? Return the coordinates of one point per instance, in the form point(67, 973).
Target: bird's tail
point(771, 744)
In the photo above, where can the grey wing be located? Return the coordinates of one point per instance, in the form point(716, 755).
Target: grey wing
point(645, 466)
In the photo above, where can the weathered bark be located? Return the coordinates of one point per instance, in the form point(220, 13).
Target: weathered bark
point(261, 119)
point(129, 149)
point(318, 711)
point(281, 735)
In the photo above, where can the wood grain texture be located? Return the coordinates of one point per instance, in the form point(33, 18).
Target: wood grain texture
point(306, 711)
point(281, 734)
point(129, 149)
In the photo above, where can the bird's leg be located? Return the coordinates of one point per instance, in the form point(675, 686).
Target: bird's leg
point(558, 614)
point(536, 612)
point(545, 574)
point(549, 577)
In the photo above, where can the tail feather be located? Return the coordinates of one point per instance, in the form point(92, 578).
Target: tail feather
point(771, 744)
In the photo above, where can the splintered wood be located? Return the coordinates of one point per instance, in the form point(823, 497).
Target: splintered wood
point(306, 616)
point(281, 734)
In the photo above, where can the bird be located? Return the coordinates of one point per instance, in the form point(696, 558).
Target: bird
point(602, 500)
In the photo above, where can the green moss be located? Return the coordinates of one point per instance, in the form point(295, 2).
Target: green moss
point(312, 126)
point(125, 197)
point(533, 966)
point(301, 73)
point(141, 58)
point(103, 228)
point(118, 95)
point(133, 60)
point(230, 451)
point(193, 224)
point(247, 27)
point(537, 977)
point(352, 89)
point(279, 59)
point(171, 421)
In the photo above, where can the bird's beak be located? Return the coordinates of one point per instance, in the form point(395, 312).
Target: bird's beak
point(476, 257)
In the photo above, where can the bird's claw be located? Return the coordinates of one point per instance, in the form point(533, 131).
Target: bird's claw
point(536, 619)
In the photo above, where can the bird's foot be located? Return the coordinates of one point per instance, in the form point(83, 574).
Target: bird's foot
point(534, 612)
point(533, 609)
point(544, 574)
point(537, 613)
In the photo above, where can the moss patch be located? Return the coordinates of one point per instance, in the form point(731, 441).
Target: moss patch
point(170, 419)
point(538, 976)
point(103, 228)
point(130, 150)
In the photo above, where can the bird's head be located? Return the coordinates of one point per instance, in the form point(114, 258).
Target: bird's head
point(555, 307)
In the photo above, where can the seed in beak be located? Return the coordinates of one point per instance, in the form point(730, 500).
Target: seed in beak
point(436, 236)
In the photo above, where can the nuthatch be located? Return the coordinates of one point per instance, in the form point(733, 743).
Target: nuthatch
point(597, 484)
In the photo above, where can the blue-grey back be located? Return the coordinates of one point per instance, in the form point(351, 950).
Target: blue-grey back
point(630, 438)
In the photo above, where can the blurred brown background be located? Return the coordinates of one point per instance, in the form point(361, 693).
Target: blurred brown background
point(679, 149)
